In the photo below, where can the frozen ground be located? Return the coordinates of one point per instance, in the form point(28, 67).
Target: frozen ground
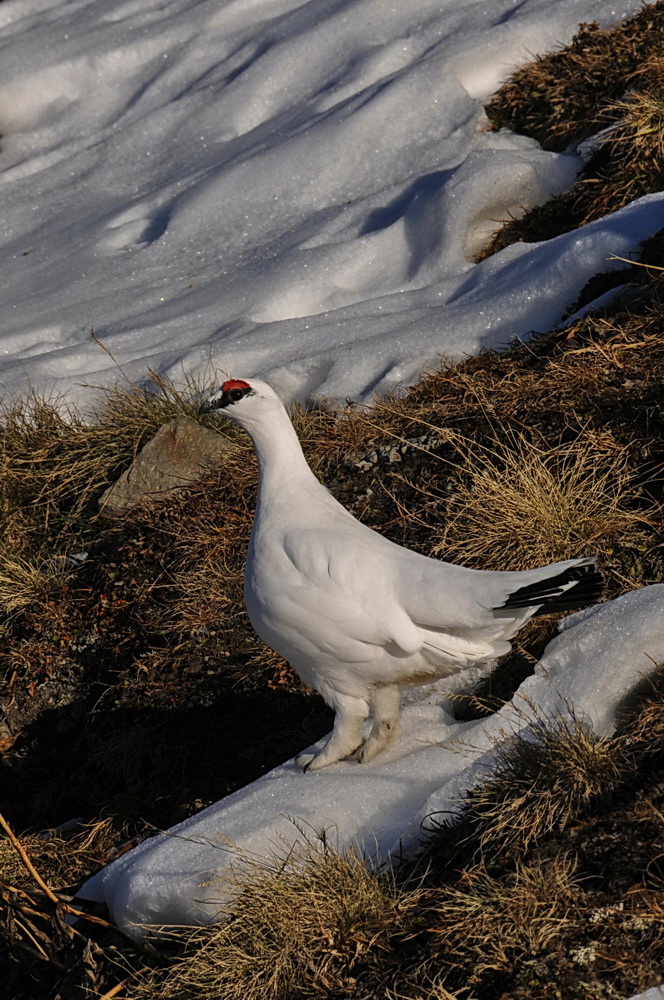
point(603, 654)
point(275, 187)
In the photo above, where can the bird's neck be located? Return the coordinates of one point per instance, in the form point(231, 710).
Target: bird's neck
point(283, 469)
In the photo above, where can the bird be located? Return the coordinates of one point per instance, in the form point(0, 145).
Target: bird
point(358, 616)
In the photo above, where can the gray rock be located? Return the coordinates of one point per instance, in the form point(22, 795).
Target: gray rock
point(180, 453)
point(388, 454)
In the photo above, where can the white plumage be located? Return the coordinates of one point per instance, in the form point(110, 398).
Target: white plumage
point(356, 615)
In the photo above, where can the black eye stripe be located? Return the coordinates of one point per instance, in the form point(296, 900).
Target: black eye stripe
point(227, 398)
point(233, 395)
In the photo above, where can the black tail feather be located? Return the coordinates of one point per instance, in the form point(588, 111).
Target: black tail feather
point(555, 594)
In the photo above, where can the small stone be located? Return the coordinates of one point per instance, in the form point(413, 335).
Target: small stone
point(180, 453)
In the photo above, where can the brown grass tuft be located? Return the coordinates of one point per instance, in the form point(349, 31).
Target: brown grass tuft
point(26, 582)
point(525, 503)
point(540, 781)
point(302, 925)
point(490, 923)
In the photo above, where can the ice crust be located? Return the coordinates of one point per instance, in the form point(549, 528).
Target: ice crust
point(282, 188)
point(384, 807)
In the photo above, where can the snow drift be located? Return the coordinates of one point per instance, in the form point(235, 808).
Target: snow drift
point(280, 188)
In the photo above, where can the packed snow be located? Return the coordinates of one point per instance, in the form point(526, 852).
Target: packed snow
point(281, 188)
point(384, 807)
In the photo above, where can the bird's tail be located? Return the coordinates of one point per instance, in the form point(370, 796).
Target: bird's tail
point(574, 587)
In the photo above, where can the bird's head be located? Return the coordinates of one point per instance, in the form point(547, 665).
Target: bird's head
point(242, 400)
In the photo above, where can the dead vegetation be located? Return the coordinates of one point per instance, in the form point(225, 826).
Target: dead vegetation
point(525, 503)
point(607, 84)
point(552, 883)
point(496, 921)
point(540, 781)
point(303, 924)
point(55, 463)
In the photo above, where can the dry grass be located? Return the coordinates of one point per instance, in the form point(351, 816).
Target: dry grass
point(61, 859)
point(50, 496)
point(638, 129)
point(541, 780)
point(55, 464)
point(562, 97)
point(606, 84)
point(542, 931)
point(642, 728)
point(27, 582)
point(489, 923)
point(524, 503)
point(207, 537)
point(560, 890)
point(302, 925)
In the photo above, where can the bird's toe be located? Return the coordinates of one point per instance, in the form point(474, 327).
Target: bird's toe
point(376, 743)
point(305, 760)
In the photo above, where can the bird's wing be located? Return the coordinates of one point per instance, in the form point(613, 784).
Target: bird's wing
point(381, 593)
point(374, 591)
point(443, 595)
point(347, 584)
point(357, 561)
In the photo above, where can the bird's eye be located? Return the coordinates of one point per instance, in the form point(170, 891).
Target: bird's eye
point(236, 394)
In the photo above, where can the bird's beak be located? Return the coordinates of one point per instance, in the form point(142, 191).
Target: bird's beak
point(209, 406)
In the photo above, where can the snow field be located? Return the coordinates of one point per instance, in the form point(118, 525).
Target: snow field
point(276, 188)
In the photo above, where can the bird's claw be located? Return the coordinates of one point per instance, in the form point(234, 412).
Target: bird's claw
point(304, 761)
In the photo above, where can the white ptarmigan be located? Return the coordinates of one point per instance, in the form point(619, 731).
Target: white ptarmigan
point(358, 616)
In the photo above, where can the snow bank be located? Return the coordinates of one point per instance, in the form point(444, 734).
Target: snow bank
point(283, 188)
point(382, 807)
point(655, 993)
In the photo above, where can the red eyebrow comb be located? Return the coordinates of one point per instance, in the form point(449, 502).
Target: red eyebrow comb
point(234, 383)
